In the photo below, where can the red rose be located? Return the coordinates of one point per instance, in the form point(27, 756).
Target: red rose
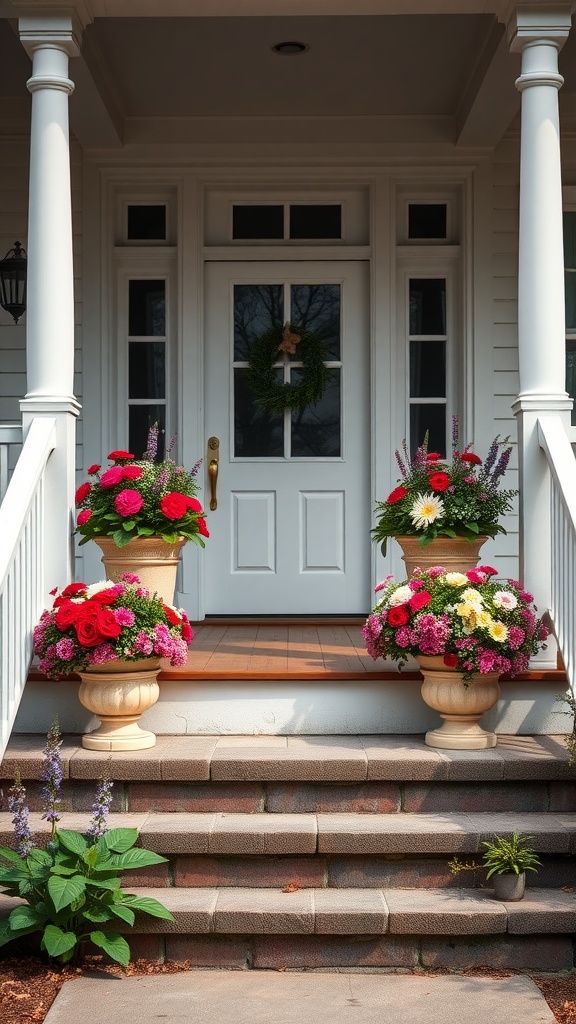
point(111, 477)
point(439, 481)
point(450, 660)
point(187, 633)
point(127, 503)
point(116, 456)
point(94, 468)
point(398, 616)
point(83, 517)
point(202, 528)
point(67, 614)
point(73, 589)
point(174, 505)
point(419, 600)
point(131, 472)
point(171, 615)
point(107, 596)
point(88, 631)
point(107, 624)
point(433, 456)
point(194, 504)
point(82, 492)
point(471, 458)
point(396, 495)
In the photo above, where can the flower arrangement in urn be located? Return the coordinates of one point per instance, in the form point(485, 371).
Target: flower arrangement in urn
point(107, 622)
point(436, 497)
point(138, 498)
point(477, 624)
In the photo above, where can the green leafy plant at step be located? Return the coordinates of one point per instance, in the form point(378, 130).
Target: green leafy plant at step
point(502, 856)
point(71, 889)
point(569, 699)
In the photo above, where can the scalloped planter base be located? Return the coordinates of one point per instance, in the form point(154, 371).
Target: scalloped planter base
point(460, 735)
point(460, 706)
point(118, 693)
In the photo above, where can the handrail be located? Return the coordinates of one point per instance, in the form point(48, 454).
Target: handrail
point(22, 529)
point(562, 464)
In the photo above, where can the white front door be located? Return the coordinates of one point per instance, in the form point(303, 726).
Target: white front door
point(291, 533)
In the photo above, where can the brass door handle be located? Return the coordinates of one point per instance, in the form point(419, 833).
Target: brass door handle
point(214, 455)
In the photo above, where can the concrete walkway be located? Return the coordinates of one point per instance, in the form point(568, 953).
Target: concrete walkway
point(266, 997)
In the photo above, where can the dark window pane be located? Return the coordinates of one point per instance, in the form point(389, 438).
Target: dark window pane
point(257, 222)
point(140, 419)
point(571, 374)
point(147, 223)
point(147, 308)
point(427, 305)
point(570, 297)
point(257, 307)
point(316, 307)
point(569, 225)
point(427, 220)
point(256, 433)
point(431, 418)
point(318, 221)
point(146, 369)
point(316, 430)
point(427, 369)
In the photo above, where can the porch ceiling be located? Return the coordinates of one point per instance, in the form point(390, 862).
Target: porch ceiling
point(146, 78)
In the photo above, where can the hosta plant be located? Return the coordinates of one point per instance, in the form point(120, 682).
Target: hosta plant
point(71, 889)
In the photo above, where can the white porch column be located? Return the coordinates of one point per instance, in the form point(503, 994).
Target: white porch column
point(539, 32)
point(50, 41)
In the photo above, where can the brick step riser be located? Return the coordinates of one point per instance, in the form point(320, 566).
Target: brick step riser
point(318, 871)
point(313, 797)
point(541, 953)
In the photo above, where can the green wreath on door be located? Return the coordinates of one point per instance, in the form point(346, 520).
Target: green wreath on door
point(273, 396)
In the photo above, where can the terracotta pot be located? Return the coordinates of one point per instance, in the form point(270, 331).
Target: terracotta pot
point(455, 553)
point(118, 692)
point(509, 886)
point(153, 560)
point(460, 706)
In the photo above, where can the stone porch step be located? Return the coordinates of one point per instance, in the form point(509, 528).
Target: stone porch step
point(267, 759)
point(350, 834)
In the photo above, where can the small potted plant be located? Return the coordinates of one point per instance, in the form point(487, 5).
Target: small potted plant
point(141, 512)
point(465, 630)
point(454, 503)
point(506, 862)
point(113, 635)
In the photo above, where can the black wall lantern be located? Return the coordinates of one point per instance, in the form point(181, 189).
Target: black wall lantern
point(13, 282)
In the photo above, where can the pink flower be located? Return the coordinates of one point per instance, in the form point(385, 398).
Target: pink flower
point(525, 596)
point(486, 661)
point(143, 644)
point(103, 652)
point(65, 649)
point(416, 584)
point(83, 517)
point(124, 617)
point(131, 472)
point(431, 633)
point(475, 576)
point(419, 601)
point(436, 570)
point(111, 477)
point(128, 502)
point(380, 586)
point(130, 577)
point(404, 636)
point(179, 653)
point(469, 480)
point(516, 637)
point(488, 569)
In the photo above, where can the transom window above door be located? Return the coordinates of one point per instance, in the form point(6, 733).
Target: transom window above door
point(290, 221)
point(314, 432)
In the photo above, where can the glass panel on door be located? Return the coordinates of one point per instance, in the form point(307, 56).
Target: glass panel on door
point(314, 432)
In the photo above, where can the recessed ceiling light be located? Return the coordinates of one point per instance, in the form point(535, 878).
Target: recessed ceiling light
point(290, 48)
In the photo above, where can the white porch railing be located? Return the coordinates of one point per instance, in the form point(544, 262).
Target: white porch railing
point(22, 541)
point(10, 443)
point(556, 444)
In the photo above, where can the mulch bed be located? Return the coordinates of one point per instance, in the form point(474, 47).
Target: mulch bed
point(28, 986)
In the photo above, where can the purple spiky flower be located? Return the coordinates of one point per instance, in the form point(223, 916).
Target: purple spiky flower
point(19, 811)
point(101, 807)
point(52, 774)
point(151, 452)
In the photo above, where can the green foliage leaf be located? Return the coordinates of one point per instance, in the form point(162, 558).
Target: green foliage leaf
point(109, 884)
point(72, 841)
point(473, 527)
point(57, 942)
point(10, 855)
point(120, 839)
point(6, 933)
point(116, 947)
point(98, 914)
point(124, 913)
point(121, 539)
point(39, 857)
point(146, 531)
point(137, 859)
point(26, 917)
point(129, 524)
point(148, 906)
point(63, 891)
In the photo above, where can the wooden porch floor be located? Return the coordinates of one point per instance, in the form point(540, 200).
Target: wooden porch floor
point(291, 649)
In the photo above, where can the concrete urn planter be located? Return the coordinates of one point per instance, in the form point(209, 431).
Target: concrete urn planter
point(461, 706)
point(456, 554)
point(150, 558)
point(118, 692)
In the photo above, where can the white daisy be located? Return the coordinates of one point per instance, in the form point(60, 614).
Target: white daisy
point(400, 596)
point(426, 510)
